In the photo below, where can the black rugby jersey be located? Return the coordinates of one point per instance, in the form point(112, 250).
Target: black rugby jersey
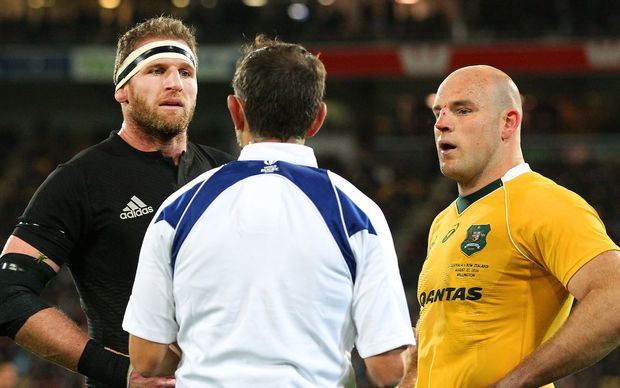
point(92, 212)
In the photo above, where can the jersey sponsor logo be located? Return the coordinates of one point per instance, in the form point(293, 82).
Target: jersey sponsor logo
point(449, 294)
point(270, 167)
point(447, 236)
point(476, 239)
point(135, 208)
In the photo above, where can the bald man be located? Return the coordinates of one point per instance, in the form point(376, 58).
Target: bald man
point(507, 258)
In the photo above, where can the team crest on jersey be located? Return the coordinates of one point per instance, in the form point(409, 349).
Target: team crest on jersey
point(476, 239)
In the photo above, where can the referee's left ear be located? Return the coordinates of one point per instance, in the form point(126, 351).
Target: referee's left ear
point(235, 107)
point(318, 121)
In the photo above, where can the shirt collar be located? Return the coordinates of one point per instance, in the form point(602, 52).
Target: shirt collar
point(463, 203)
point(286, 152)
point(516, 171)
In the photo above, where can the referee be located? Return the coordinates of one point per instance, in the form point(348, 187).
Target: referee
point(91, 213)
point(269, 269)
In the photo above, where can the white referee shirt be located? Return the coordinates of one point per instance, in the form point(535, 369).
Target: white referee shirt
point(267, 271)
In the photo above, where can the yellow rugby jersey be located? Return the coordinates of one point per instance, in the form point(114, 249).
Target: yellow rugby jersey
point(493, 286)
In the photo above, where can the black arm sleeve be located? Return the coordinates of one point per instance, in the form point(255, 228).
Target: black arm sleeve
point(103, 365)
point(22, 278)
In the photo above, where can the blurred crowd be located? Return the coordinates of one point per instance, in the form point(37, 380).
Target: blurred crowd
point(82, 21)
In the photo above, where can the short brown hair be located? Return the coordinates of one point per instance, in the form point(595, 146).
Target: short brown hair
point(161, 26)
point(282, 86)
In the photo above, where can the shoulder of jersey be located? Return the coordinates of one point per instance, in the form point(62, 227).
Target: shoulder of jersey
point(538, 192)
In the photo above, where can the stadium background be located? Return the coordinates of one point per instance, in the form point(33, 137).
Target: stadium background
point(384, 61)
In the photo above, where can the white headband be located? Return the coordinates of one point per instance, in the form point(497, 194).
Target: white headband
point(138, 58)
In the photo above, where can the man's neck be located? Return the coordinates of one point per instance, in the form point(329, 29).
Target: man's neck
point(143, 142)
point(477, 183)
point(493, 171)
point(292, 140)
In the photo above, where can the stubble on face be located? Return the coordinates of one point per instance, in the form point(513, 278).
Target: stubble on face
point(157, 125)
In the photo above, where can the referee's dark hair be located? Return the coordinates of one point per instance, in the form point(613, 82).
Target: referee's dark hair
point(282, 87)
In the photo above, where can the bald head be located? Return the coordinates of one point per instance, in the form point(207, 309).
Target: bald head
point(489, 81)
point(478, 126)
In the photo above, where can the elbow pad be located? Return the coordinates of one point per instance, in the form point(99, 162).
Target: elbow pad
point(22, 278)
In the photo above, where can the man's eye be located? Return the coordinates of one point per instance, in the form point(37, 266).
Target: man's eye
point(156, 70)
point(185, 73)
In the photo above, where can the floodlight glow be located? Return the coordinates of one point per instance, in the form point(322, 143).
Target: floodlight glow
point(180, 3)
point(298, 11)
point(255, 3)
point(109, 4)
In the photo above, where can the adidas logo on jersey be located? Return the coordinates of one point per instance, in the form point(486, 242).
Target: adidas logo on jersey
point(135, 208)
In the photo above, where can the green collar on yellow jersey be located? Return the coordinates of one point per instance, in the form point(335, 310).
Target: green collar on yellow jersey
point(463, 203)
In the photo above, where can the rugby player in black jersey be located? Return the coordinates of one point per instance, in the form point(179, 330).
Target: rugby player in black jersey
point(91, 212)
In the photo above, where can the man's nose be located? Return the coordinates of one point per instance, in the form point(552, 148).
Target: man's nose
point(173, 80)
point(442, 122)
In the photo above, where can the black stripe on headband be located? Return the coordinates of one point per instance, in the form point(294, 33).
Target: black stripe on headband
point(151, 52)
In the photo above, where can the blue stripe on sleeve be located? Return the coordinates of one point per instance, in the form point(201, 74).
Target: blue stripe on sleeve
point(355, 219)
point(227, 176)
point(173, 212)
point(315, 183)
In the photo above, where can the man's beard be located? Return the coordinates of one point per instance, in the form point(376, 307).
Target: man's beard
point(159, 126)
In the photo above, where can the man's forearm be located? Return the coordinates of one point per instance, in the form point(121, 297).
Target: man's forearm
point(591, 332)
point(152, 358)
point(53, 336)
point(170, 363)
